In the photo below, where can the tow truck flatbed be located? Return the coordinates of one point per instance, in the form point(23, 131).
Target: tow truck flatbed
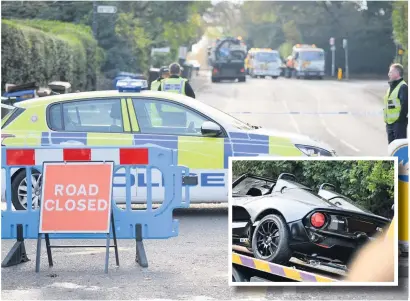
point(245, 267)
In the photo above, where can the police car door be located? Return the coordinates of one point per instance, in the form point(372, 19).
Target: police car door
point(168, 124)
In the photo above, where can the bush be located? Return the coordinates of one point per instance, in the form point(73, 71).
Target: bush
point(42, 51)
point(369, 183)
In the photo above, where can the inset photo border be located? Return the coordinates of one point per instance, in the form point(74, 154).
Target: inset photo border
point(313, 221)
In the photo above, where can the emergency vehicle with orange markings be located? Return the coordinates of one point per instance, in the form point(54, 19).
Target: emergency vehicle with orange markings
point(306, 61)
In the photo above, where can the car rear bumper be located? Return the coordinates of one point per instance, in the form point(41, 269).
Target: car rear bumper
point(228, 75)
point(311, 73)
point(266, 72)
point(311, 241)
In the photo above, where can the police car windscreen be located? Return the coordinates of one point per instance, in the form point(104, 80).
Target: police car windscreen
point(267, 56)
point(312, 55)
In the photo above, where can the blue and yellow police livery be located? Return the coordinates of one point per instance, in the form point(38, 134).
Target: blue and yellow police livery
point(203, 136)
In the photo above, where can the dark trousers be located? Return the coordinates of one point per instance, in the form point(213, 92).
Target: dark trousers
point(397, 130)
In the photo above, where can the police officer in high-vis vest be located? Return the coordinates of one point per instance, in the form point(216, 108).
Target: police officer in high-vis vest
point(175, 83)
point(396, 105)
point(163, 73)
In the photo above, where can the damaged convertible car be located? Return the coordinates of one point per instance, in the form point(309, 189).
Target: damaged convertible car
point(280, 219)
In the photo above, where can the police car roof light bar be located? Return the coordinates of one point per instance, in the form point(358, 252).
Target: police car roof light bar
point(129, 85)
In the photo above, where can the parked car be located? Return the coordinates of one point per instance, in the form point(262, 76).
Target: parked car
point(33, 90)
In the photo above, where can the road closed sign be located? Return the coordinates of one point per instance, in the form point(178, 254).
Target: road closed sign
point(76, 197)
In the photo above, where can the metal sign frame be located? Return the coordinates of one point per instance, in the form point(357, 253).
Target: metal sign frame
point(110, 223)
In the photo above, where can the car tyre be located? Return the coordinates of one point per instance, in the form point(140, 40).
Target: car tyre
point(282, 253)
point(15, 184)
point(242, 79)
point(274, 77)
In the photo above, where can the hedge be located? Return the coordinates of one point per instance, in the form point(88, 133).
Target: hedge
point(43, 51)
point(369, 183)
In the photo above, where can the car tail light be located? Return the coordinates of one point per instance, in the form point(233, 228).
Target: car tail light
point(242, 70)
point(4, 136)
point(215, 71)
point(318, 220)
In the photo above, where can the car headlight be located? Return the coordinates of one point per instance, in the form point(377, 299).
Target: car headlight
point(313, 151)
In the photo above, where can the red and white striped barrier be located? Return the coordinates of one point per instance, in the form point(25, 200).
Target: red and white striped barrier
point(31, 157)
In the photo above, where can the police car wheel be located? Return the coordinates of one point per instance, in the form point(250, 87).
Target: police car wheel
point(19, 189)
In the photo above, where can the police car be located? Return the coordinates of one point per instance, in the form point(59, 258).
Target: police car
point(203, 137)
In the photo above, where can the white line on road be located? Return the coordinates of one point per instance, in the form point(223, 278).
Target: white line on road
point(291, 117)
point(326, 127)
point(330, 132)
point(349, 145)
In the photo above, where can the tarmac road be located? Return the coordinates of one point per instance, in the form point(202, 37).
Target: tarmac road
point(346, 115)
point(194, 265)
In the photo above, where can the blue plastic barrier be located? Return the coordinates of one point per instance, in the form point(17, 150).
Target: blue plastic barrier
point(148, 223)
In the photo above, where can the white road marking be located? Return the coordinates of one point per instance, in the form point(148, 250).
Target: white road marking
point(322, 120)
point(326, 127)
point(291, 117)
point(349, 145)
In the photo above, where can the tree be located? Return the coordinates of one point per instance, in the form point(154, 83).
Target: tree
point(282, 24)
point(368, 183)
point(127, 36)
point(49, 50)
point(400, 30)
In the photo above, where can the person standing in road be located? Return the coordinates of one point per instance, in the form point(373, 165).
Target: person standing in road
point(163, 73)
point(396, 105)
point(175, 83)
